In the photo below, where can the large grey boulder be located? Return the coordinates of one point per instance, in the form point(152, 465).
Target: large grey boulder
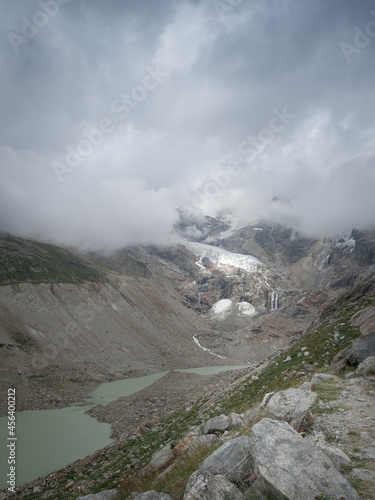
point(232, 460)
point(206, 486)
point(162, 457)
point(103, 495)
point(287, 405)
point(152, 495)
point(356, 352)
point(288, 467)
point(218, 425)
point(367, 367)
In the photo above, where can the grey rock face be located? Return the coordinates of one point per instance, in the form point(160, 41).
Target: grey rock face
point(103, 495)
point(218, 424)
point(367, 367)
point(287, 466)
point(364, 474)
point(232, 460)
point(152, 495)
point(338, 457)
point(289, 404)
point(266, 398)
point(206, 486)
point(306, 386)
point(356, 352)
point(368, 452)
point(205, 440)
point(162, 457)
point(234, 419)
point(303, 423)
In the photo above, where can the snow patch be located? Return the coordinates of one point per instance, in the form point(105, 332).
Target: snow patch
point(246, 308)
point(221, 305)
point(350, 243)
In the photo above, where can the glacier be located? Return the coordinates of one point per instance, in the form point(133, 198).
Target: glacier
point(220, 256)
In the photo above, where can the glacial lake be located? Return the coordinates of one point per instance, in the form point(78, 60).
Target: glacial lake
point(48, 440)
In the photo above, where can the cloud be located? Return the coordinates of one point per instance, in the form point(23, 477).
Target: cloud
point(145, 106)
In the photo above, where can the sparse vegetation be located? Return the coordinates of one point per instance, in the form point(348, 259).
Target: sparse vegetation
point(24, 261)
point(23, 341)
point(122, 467)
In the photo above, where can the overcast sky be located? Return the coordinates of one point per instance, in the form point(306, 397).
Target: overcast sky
point(115, 112)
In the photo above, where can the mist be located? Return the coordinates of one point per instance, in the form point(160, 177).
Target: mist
point(113, 114)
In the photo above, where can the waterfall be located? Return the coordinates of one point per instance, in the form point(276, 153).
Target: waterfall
point(200, 297)
point(274, 300)
point(274, 296)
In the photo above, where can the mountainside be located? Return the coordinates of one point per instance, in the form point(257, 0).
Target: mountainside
point(160, 447)
point(220, 295)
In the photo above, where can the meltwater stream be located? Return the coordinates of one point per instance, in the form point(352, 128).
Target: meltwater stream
point(48, 440)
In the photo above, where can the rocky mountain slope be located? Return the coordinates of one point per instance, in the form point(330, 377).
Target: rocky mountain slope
point(220, 295)
point(330, 453)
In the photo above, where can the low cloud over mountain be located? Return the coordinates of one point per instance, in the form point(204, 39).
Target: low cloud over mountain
point(115, 113)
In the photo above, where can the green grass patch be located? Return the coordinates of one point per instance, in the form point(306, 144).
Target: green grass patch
point(173, 483)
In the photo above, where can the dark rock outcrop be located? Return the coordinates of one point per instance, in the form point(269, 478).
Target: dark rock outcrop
point(358, 350)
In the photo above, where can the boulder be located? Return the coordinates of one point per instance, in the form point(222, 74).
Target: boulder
point(184, 444)
point(232, 460)
point(218, 425)
point(152, 495)
point(235, 419)
point(103, 495)
point(266, 398)
point(338, 457)
point(162, 457)
point(367, 367)
point(356, 352)
point(288, 467)
point(367, 453)
point(303, 423)
point(364, 474)
point(306, 386)
point(199, 441)
point(318, 378)
point(206, 486)
point(287, 405)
